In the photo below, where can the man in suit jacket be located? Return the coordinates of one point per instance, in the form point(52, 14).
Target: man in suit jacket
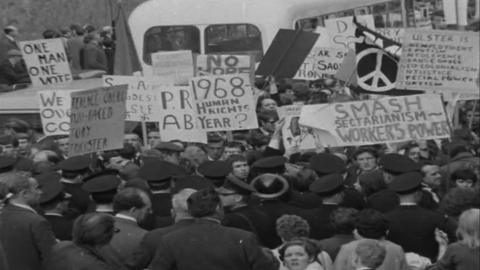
point(92, 55)
point(13, 69)
point(26, 236)
point(143, 255)
point(8, 41)
point(206, 244)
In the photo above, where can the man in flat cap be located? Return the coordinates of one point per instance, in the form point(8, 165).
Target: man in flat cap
point(206, 244)
point(13, 69)
point(8, 41)
point(331, 190)
point(54, 203)
point(410, 225)
point(73, 170)
point(234, 196)
point(170, 151)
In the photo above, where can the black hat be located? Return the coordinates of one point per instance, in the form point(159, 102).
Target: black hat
point(269, 186)
point(326, 163)
point(168, 146)
point(101, 184)
point(274, 164)
point(234, 185)
point(215, 171)
point(406, 182)
point(48, 176)
point(398, 164)
point(89, 177)
point(52, 189)
point(328, 185)
point(74, 164)
point(156, 170)
point(203, 203)
point(191, 181)
point(7, 163)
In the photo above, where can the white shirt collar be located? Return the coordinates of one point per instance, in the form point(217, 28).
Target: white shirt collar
point(126, 217)
point(68, 181)
point(407, 203)
point(11, 38)
point(103, 208)
point(53, 214)
point(24, 206)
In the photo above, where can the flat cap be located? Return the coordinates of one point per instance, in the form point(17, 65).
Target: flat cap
point(214, 169)
point(191, 181)
point(406, 182)
point(269, 186)
point(270, 162)
point(328, 184)
point(7, 163)
point(233, 185)
point(51, 189)
point(74, 164)
point(398, 164)
point(102, 183)
point(168, 146)
point(156, 170)
point(326, 163)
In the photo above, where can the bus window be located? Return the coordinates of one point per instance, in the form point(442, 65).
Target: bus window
point(170, 38)
point(233, 39)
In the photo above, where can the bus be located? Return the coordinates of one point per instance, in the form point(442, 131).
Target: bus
point(239, 26)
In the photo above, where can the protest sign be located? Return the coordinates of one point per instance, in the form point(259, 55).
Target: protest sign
point(347, 71)
point(392, 119)
point(217, 64)
point(97, 120)
point(294, 135)
point(342, 30)
point(286, 53)
point(143, 96)
point(395, 33)
point(54, 108)
point(174, 67)
point(437, 60)
point(46, 61)
point(321, 63)
point(178, 119)
point(224, 102)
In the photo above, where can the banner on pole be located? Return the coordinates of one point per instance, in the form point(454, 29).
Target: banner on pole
point(224, 102)
point(54, 108)
point(143, 96)
point(97, 120)
point(437, 60)
point(175, 67)
point(321, 63)
point(46, 60)
point(386, 120)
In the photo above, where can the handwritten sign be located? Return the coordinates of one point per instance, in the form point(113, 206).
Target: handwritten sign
point(97, 120)
point(321, 63)
point(212, 64)
point(342, 30)
point(178, 120)
point(224, 102)
point(439, 60)
point(392, 119)
point(46, 61)
point(55, 111)
point(143, 96)
point(395, 33)
point(174, 67)
point(294, 135)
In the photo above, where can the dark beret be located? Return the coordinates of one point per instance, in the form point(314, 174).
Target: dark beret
point(326, 163)
point(406, 182)
point(328, 184)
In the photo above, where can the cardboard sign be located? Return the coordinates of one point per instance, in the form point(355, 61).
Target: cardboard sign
point(46, 61)
point(395, 34)
point(321, 63)
point(174, 67)
point(224, 102)
point(438, 60)
point(143, 96)
point(216, 64)
point(295, 137)
point(392, 119)
point(342, 30)
point(54, 108)
point(347, 71)
point(97, 120)
point(178, 120)
point(287, 52)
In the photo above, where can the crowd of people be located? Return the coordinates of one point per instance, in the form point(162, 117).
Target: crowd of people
point(87, 48)
point(241, 201)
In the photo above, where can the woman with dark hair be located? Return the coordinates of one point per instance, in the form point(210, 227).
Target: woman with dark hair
point(91, 232)
point(300, 254)
point(463, 178)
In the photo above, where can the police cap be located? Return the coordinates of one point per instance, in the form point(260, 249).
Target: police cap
point(406, 182)
point(326, 163)
point(327, 185)
point(398, 164)
point(102, 183)
point(269, 186)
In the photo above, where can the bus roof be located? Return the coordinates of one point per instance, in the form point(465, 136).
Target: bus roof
point(26, 100)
